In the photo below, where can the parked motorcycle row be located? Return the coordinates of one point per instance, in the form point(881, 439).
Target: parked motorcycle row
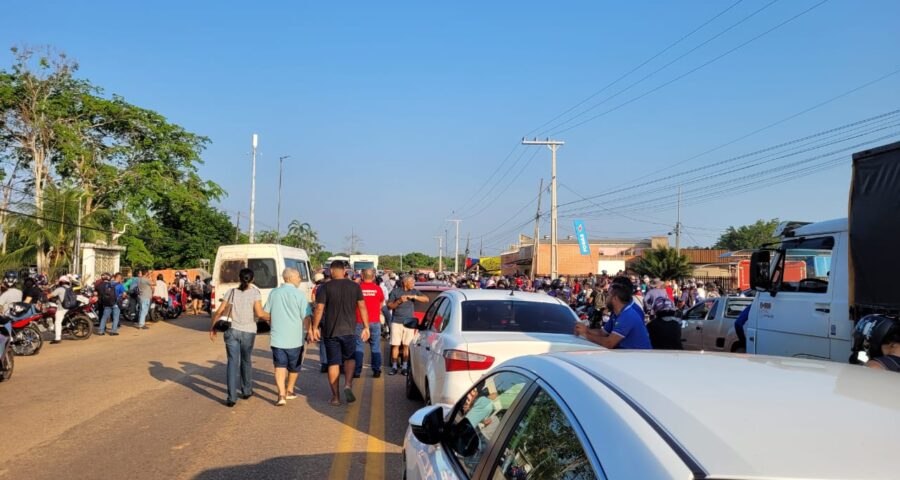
point(23, 324)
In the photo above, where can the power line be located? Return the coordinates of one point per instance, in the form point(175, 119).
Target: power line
point(638, 67)
point(689, 72)
point(511, 182)
point(667, 65)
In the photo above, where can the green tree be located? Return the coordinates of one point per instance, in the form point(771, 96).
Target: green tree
point(303, 236)
point(748, 237)
point(664, 263)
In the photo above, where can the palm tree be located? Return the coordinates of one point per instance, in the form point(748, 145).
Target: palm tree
point(664, 263)
point(55, 236)
point(302, 235)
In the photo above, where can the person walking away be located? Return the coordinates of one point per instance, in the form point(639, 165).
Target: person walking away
point(289, 310)
point(160, 289)
point(9, 294)
point(245, 307)
point(338, 301)
point(144, 293)
point(626, 328)
point(107, 293)
point(665, 326)
point(319, 279)
point(404, 325)
point(374, 299)
point(63, 296)
point(197, 288)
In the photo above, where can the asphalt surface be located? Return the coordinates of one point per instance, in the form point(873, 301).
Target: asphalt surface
point(149, 404)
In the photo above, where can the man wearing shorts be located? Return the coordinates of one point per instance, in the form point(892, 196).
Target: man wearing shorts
point(404, 325)
point(289, 310)
point(374, 298)
point(339, 300)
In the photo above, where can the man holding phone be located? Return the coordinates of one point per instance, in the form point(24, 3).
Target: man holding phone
point(404, 325)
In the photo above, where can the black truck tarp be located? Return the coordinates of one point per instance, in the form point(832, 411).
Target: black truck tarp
point(874, 227)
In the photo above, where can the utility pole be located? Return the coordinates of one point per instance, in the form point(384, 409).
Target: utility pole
point(280, 174)
point(352, 241)
point(678, 224)
point(553, 145)
point(237, 230)
point(253, 189)
point(76, 260)
point(456, 254)
point(537, 233)
point(440, 240)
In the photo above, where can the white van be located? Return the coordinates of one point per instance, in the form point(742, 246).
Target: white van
point(267, 261)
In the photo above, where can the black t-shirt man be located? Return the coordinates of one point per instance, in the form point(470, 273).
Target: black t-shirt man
point(340, 298)
point(33, 293)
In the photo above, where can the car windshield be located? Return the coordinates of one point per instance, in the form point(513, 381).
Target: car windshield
point(516, 316)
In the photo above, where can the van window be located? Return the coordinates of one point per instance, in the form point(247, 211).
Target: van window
point(300, 266)
point(265, 274)
point(229, 269)
point(805, 265)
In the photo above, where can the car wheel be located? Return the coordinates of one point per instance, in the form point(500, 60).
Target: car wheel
point(412, 391)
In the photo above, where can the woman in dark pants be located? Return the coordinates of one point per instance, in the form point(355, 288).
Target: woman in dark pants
point(245, 307)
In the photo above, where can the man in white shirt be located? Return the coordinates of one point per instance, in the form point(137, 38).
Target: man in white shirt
point(9, 294)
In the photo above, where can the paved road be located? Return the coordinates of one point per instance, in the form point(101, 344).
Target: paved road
point(149, 404)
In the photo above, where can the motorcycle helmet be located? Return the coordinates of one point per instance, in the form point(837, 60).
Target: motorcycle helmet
point(10, 279)
point(869, 334)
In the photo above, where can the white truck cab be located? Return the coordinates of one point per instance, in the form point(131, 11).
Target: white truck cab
point(803, 307)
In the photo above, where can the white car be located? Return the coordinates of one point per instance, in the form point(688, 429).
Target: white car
point(662, 415)
point(466, 332)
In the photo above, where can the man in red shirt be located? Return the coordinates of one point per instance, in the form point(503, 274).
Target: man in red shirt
point(373, 295)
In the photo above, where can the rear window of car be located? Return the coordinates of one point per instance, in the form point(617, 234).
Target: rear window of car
point(422, 307)
point(516, 316)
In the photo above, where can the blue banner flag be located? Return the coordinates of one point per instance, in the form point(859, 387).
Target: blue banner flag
point(581, 235)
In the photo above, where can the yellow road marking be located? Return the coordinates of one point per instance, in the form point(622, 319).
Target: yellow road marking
point(340, 467)
point(375, 446)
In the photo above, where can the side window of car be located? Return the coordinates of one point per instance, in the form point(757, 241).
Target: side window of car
point(712, 310)
point(543, 445)
point(477, 418)
point(697, 313)
point(442, 316)
point(431, 312)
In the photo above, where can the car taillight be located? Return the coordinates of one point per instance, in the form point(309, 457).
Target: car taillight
point(458, 360)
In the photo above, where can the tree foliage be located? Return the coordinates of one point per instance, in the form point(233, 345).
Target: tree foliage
point(664, 263)
point(748, 237)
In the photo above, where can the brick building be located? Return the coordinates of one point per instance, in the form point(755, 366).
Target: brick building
point(610, 254)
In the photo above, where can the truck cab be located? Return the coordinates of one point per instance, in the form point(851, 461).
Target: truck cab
point(802, 307)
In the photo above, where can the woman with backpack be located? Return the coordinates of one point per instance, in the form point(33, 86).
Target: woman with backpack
point(239, 310)
point(197, 290)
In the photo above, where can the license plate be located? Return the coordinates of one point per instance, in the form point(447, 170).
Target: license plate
point(92, 315)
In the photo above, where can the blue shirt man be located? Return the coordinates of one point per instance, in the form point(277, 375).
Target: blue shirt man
point(289, 311)
point(626, 327)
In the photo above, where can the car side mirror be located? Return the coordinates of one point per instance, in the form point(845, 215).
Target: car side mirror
point(759, 270)
point(427, 424)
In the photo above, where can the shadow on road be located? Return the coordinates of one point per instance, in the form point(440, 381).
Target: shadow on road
point(281, 468)
point(207, 381)
point(198, 323)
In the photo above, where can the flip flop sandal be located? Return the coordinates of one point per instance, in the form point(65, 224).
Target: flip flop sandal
point(335, 403)
point(348, 394)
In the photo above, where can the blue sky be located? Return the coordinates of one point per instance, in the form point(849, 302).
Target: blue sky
point(395, 113)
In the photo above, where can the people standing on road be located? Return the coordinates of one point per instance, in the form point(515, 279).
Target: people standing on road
point(58, 295)
point(403, 321)
point(108, 295)
point(244, 303)
point(289, 310)
point(319, 279)
point(374, 299)
point(145, 293)
point(337, 301)
point(626, 328)
point(664, 327)
point(197, 289)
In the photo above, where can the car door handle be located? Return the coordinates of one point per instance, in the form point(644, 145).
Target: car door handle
point(824, 310)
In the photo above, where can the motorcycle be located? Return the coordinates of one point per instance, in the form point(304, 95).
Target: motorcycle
point(78, 321)
point(176, 304)
point(26, 336)
point(7, 361)
point(130, 308)
point(159, 309)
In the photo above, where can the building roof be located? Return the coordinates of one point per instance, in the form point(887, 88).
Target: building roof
point(756, 416)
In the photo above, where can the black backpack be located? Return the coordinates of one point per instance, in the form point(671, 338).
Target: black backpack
point(108, 295)
point(69, 300)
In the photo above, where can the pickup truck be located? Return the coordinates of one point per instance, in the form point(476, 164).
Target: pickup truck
point(709, 325)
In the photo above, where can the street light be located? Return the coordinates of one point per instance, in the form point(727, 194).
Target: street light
point(280, 174)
